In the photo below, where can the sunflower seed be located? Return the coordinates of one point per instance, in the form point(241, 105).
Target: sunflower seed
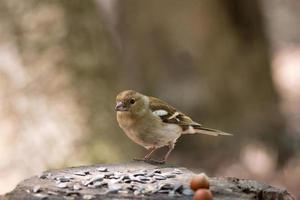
point(136, 192)
point(82, 173)
point(127, 181)
point(52, 193)
point(178, 187)
point(154, 172)
point(169, 175)
point(117, 175)
point(63, 179)
point(159, 177)
point(70, 193)
point(88, 196)
point(76, 186)
point(166, 186)
point(62, 185)
point(109, 175)
point(41, 196)
point(151, 189)
point(69, 197)
point(45, 176)
point(36, 189)
point(114, 181)
point(144, 178)
point(157, 171)
point(140, 173)
point(98, 177)
point(123, 191)
point(177, 171)
point(163, 191)
point(187, 192)
point(139, 181)
point(113, 188)
point(102, 169)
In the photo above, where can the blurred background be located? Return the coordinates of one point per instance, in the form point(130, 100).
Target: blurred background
point(231, 65)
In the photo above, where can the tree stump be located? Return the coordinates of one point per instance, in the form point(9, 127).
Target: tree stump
point(137, 180)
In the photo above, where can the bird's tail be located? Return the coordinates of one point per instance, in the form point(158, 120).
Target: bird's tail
point(197, 128)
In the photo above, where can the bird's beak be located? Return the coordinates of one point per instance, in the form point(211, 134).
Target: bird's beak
point(120, 106)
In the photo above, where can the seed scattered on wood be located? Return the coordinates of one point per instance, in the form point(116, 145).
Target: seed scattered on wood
point(62, 185)
point(100, 184)
point(41, 196)
point(76, 186)
point(177, 171)
point(187, 192)
point(178, 187)
point(169, 175)
point(98, 177)
point(45, 176)
point(113, 188)
point(157, 171)
point(140, 173)
point(82, 173)
point(102, 169)
point(63, 179)
point(159, 177)
point(166, 186)
point(36, 189)
point(144, 178)
point(72, 193)
point(136, 192)
point(123, 192)
point(52, 192)
point(88, 196)
point(136, 182)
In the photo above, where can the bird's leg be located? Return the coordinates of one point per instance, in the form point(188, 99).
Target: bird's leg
point(147, 156)
point(171, 147)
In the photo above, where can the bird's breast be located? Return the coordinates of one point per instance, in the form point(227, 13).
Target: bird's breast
point(126, 120)
point(147, 131)
point(131, 126)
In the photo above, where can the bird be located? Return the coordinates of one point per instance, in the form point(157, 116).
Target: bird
point(153, 123)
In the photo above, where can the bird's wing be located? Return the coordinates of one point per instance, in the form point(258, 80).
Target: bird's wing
point(169, 114)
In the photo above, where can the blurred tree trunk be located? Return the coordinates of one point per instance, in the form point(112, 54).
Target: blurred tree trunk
point(57, 66)
point(93, 64)
point(209, 59)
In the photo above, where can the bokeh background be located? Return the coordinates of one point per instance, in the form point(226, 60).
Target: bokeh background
point(231, 65)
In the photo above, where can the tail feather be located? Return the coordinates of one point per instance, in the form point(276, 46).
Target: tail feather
point(203, 130)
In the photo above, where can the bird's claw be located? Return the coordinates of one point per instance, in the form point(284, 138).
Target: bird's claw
point(140, 159)
point(151, 161)
point(159, 161)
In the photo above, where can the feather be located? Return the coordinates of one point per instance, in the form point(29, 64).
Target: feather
point(168, 114)
point(160, 113)
point(206, 131)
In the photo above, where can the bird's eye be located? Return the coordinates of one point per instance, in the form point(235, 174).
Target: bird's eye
point(132, 101)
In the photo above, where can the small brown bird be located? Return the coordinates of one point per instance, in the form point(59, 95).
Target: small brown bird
point(153, 123)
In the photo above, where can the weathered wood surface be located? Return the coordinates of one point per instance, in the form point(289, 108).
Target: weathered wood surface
point(89, 182)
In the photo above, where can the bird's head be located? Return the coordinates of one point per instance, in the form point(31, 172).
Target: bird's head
point(131, 101)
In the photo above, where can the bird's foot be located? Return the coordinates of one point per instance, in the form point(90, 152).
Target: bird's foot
point(150, 161)
point(157, 161)
point(140, 159)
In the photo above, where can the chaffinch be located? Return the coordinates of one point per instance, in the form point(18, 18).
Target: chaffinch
point(153, 123)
